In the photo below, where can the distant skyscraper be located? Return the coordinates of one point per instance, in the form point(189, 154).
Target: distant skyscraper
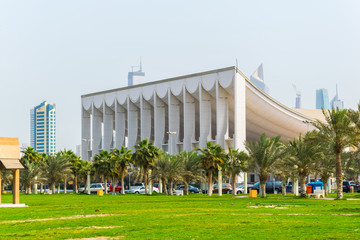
point(135, 78)
point(42, 129)
point(298, 98)
point(258, 79)
point(336, 102)
point(322, 99)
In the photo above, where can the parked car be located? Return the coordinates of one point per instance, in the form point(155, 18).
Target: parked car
point(141, 190)
point(117, 188)
point(348, 184)
point(270, 187)
point(136, 185)
point(226, 188)
point(289, 187)
point(191, 189)
point(239, 189)
point(94, 187)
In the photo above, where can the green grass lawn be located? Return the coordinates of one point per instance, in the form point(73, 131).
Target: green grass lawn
point(179, 217)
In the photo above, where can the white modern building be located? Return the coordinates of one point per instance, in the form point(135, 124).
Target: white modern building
point(182, 113)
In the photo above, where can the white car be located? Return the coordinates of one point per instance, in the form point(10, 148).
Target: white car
point(94, 187)
point(239, 189)
point(141, 190)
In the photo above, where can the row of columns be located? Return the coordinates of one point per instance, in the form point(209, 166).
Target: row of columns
point(195, 118)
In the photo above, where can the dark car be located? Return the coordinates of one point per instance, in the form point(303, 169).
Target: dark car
point(191, 189)
point(348, 184)
point(271, 187)
point(226, 188)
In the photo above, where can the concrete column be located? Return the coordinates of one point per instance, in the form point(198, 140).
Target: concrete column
point(85, 134)
point(174, 122)
point(120, 121)
point(245, 182)
point(222, 119)
point(108, 120)
point(145, 110)
point(159, 121)
point(220, 183)
point(96, 130)
point(205, 116)
point(133, 118)
point(189, 120)
point(240, 117)
point(16, 186)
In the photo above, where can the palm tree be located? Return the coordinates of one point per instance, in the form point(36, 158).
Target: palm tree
point(325, 166)
point(263, 155)
point(85, 168)
point(304, 154)
point(339, 132)
point(236, 163)
point(211, 158)
point(191, 168)
point(29, 174)
point(102, 166)
point(145, 155)
point(31, 156)
point(160, 170)
point(55, 169)
point(174, 170)
point(122, 160)
point(6, 178)
point(75, 166)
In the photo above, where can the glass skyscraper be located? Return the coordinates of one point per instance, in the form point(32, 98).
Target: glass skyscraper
point(322, 99)
point(42, 128)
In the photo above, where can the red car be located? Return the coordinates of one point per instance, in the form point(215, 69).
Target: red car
point(117, 188)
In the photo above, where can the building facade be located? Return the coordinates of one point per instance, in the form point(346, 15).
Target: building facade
point(183, 113)
point(336, 102)
point(43, 128)
point(258, 79)
point(322, 99)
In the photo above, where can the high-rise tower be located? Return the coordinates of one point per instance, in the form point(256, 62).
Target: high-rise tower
point(43, 131)
point(336, 102)
point(322, 99)
point(258, 79)
point(137, 77)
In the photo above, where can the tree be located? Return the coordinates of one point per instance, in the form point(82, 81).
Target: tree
point(31, 157)
point(121, 159)
point(102, 166)
point(263, 155)
point(338, 131)
point(160, 170)
point(211, 158)
point(303, 155)
point(191, 168)
point(236, 163)
point(74, 160)
point(55, 169)
point(174, 170)
point(29, 174)
point(145, 155)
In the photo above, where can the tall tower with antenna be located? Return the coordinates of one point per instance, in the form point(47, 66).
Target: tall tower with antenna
point(298, 98)
point(136, 77)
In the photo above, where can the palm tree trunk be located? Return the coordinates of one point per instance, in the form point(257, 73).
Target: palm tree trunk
point(41, 187)
point(210, 187)
point(263, 185)
point(52, 188)
point(146, 180)
point(113, 185)
point(186, 187)
point(76, 183)
point(325, 181)
point(58, 188)
point(303, 186)
point(122, 182)
point(283, 190)
point(293, 184)
point(164, 186)
point(65, 180)
point(339, 177)
point(233, 177)
point(171, 188)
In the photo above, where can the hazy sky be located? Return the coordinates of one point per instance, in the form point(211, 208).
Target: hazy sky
point(59, 50)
